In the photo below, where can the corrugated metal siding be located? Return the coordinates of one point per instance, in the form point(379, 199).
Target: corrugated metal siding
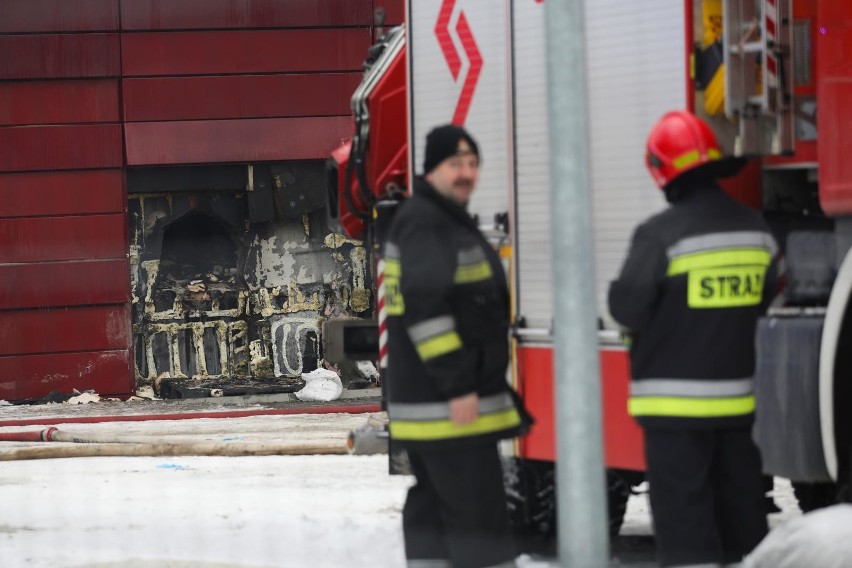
point(201, 141)
point(63, 226)
point(394, 9)
point(64, 330)
point(61, 193)
point(54, 56)
point(31, 376)
point(637, 72)
point(42, 16)
point(47, 239)
point(437, 93)
point(73, 146)
point(243, 51)
point(58, 102)
point(218, 14)
point(59, 284)
point(243, 96)
point(231, 81)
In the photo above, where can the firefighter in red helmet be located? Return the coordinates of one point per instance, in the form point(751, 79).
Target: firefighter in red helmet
point(696, 279)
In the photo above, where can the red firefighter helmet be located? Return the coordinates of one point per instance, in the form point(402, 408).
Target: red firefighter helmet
point(678, 143)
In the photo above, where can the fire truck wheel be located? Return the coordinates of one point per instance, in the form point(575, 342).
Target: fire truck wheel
point(531, 499)
point(619, 483)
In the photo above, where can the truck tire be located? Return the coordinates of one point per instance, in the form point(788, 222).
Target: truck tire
point(531, 496)
point(619, 487)
point(531, 499)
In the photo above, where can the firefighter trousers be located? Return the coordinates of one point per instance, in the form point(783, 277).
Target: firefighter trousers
point(456, 514)
point(706, 495)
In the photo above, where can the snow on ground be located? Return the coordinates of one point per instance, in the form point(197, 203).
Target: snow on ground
point(329, 511)
point(283, 511)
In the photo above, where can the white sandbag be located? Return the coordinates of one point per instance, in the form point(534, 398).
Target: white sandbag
point(321, 385)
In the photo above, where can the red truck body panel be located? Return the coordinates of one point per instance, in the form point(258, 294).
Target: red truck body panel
point(834, 119)
point(624, 446)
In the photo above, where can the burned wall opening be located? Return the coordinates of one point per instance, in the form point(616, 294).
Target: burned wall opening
point(223, 295)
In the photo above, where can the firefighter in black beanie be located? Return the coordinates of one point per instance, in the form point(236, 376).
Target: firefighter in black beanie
point(448, 400)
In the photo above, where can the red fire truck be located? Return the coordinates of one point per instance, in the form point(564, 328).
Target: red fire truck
point(770, 76)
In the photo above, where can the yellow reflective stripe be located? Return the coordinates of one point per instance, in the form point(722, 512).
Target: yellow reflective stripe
point(439, 345)
point(690, 158)
point(392, 267)
point(681, 407)
point(719, 257)
point(394, 304)
point(728, 287)
point(465, 274)
point(428, 430)
point(686, 159)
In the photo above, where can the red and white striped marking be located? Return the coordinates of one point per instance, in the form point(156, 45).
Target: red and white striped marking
point(383, 316)
point(770, 28)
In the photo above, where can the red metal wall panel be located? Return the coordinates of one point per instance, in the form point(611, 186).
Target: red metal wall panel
point(28, 16)
point(255, 51)
point(242, 96)
point(395, 10)
point(61, 193)
point(27, 148)
point(56, 284)
point(30, 377)
point(45, 239)
point(49, 56)
point(95, 328)
point(213, 141)
point(59, 102)
point(210, 14)
point(834, 118)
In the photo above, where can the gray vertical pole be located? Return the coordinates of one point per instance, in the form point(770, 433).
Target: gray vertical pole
point(581, 506)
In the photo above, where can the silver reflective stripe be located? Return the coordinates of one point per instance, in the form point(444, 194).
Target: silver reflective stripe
point(471, 255)
point(428, 563)
point(738, 239)
point(692, 388)
point(430, 328)
point(391, 250)
point(441, 410)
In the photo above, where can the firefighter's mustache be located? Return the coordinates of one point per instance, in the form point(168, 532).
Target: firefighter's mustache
point(464, 184)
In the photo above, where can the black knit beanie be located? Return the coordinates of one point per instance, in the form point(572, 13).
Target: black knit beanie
point(443, 142)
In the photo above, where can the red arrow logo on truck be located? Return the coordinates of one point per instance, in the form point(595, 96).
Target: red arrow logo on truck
point(451, 55)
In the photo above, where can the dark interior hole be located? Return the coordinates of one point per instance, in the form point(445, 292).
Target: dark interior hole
point(196, 245)
point(229, 301)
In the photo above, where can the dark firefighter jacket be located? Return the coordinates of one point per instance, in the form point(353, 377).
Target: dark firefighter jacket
point(696, 279)
point(447, 308)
